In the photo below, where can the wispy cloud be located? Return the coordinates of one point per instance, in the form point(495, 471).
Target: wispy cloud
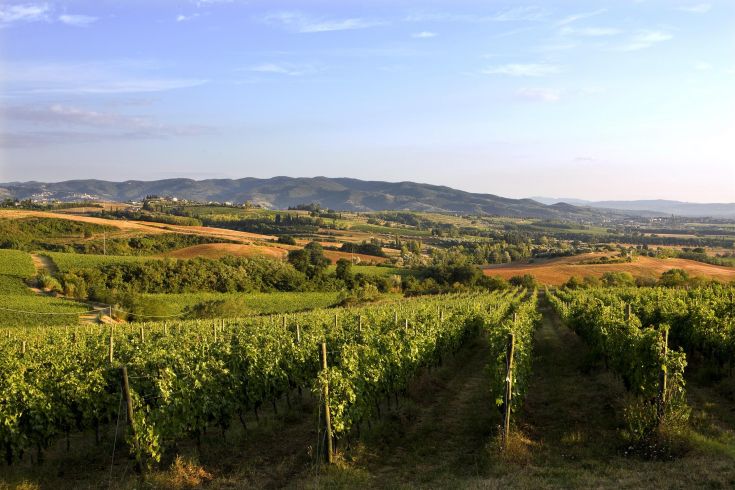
point(589, 31)
point(290, 69)
point(516, 14)
point(82, 125)
point(700, 8)
point(77, 20)
point(645, 39)
point(201, 3)
point(41, 12)
point(186, 18)
point(112, 77)
point(307, 24)
point(575, 17)
point(423, 35)
point(702, 66)
point(523, 70)
point(28, 12)
point(538, 94)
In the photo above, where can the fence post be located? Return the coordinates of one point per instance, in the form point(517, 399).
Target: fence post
point(327, 416)
point(298, 334)
point(663, 375)
point(508, 388)
point(112, 345)
point(142, 335)
point(129, 411)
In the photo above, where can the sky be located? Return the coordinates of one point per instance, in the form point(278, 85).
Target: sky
point(619, 99)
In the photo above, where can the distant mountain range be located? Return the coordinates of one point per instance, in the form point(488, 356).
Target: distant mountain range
point(338, 193)
point(662, 206)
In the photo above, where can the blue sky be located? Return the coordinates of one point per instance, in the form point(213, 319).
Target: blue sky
point(620, 99)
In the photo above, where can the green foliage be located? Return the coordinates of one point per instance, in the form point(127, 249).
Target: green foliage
point(310, 260)
point(195, 375)
point(151, 216)
point(228, 274)
point(67, 262)
point(525, 281)
point(618, 279)
point(16, 263)
point(674, 278)
point(632, 345)
point(520, 319)
point(287, 239)
point(373, 247)
point(62, 235)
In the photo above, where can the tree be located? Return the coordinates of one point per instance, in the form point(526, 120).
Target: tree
point(526, 280)
point(674, 278)
point(310, 260)
point(344, 272)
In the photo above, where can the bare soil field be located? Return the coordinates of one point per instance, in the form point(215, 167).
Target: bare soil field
point(557, 271)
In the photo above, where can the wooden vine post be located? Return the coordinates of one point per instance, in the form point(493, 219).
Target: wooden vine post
point(329, 450)
point(508, 398)
point(129, 412)
point(111, 350)
point(663, 375)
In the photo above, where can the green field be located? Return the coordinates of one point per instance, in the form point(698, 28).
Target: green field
point(20, 306)
point(68, 261)
point(16, 263)
point(242, 304)
point(387, 230)
point(373, 270)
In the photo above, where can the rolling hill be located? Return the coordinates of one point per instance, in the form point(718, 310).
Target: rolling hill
point(281, 192)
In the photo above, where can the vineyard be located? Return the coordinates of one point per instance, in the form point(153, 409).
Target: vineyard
point(182, 377)
point(646, 337)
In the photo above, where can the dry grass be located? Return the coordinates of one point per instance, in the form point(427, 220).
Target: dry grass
point(334, 256)
point(120, 224)
point(184, 473)
point(218, 250)
point(558, 271)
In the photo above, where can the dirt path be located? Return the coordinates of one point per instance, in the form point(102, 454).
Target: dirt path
point(42, 262)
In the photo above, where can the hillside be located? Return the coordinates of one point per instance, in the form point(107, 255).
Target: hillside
point(282, 192)
point(660, 206)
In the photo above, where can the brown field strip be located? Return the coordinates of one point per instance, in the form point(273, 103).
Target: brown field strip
point(217, 250)
point(558, 271)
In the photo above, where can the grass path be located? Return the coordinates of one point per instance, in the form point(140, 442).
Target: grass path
point(41, 262)
point(572, 419)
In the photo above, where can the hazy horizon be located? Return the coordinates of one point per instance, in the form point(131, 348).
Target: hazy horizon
point(588, 100)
